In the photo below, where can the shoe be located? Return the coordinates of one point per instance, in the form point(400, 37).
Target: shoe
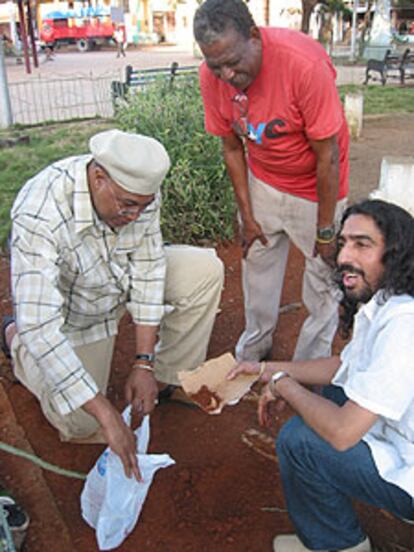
point(17, 519)
point(7, 320)
point(291, 543)
point(175, 394)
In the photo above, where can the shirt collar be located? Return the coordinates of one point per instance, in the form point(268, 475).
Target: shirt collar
point(371, 308)
point(82, 203)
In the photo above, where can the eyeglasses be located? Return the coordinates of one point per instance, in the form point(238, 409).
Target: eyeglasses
point(240, 122)
point(126, 210)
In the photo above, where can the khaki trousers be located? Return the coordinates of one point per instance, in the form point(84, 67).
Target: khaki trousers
point(285, 218)
point(194, 281)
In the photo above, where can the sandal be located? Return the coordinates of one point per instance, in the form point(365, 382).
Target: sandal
point(175, 394)
point(7, 320)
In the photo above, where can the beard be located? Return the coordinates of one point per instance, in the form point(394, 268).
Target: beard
point(362, 295)
point(354, 296)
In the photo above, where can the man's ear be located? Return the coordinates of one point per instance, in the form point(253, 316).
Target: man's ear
point(99, 175)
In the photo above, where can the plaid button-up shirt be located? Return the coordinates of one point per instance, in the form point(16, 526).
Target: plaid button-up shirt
point(72, 275)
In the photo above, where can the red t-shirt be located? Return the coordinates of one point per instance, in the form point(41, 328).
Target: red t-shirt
point(292, 99)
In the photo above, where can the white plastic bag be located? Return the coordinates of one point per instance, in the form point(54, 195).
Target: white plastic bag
point(110, 502)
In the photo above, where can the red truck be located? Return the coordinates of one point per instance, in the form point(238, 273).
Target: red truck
point(85, 28)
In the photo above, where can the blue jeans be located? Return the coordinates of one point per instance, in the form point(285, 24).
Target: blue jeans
point(320, 482)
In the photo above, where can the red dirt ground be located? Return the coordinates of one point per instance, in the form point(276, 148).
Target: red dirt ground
point(224, 493)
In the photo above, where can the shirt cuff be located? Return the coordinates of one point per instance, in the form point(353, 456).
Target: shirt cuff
point(76, 395)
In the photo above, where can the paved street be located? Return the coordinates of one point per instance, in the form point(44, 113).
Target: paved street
point(99, 63)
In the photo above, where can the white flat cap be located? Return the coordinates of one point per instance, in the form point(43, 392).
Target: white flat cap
point(135, 162)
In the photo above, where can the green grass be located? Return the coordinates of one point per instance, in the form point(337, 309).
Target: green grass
point(47, 144)
point(382, 99)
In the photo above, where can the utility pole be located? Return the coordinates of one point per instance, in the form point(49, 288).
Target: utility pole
point(31, 33)
point(23, 35)
point(6, 118)
point(354, 30)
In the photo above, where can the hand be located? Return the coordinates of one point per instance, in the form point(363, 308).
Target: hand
point(265, 401)
point(141, 391)
point(118, 435)
point(252, 368)
point(248, 368)
point(251, 231)
point(326, 251)
point(122, 441)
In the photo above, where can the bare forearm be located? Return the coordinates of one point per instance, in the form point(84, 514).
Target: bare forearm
point(318, 371)
point(235, 160)
point(100, 408)
point(118, 435)
point(145, 337)
point(341, 426)
point(327, 172)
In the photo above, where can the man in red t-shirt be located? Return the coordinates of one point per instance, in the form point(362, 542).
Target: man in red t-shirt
point(270, 95)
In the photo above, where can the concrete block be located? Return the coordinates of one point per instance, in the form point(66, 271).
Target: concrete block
point(396, 183)
point(354, 113)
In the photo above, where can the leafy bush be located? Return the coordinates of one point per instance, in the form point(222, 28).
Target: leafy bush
point(198, 200)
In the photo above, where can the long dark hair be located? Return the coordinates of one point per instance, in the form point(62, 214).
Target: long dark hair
point(397, 228)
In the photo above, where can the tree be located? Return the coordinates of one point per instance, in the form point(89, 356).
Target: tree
point(329, 7)
point(307, 8)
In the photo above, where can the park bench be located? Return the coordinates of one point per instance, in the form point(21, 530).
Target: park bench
point(407, 65)
point(136, 79)
point(392, 66)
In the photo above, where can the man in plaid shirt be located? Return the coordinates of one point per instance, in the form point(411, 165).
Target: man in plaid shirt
point(86, 245)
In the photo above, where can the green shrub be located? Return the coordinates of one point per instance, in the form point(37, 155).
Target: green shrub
point(198, 200)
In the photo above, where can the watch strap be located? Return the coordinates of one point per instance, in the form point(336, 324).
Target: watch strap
point(148, 357)
point(325, 234)
point(275, 378)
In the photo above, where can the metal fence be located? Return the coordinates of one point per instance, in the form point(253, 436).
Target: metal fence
point(80, 96)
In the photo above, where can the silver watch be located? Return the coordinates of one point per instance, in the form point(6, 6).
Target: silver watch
point(274, 379)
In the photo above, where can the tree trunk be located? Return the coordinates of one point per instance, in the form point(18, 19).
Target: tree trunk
point(307, 9)
point(366, 26)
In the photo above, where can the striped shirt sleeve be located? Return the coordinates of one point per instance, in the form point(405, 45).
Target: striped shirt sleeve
point(148, 268)
point(38, 308)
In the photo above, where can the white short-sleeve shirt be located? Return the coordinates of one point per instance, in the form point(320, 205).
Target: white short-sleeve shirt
point(377, 372)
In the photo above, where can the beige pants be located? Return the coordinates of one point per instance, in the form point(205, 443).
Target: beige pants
point(194, 282)
point(285, 218)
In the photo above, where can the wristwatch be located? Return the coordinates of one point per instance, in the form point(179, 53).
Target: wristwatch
point(274, 379)
point(325, 234)
point(148, 357)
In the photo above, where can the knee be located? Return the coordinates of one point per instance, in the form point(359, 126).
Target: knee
point(192, 269)
point(292, 438)
point(77, 425)
point(213, 269)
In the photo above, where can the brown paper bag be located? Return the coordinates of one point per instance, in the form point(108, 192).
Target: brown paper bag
point(208, 387)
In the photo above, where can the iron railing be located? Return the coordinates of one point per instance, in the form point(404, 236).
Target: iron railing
point(80, 96)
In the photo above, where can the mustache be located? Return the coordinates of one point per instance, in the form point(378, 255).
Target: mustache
point(340, 269)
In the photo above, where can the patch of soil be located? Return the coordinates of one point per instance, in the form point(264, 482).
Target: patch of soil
point(224, 493)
